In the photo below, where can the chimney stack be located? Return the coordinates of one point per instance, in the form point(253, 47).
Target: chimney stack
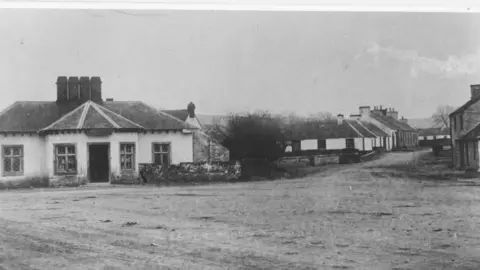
point(191, 110)
point(78, 90)
point(73, 89)
point(84, 89)
point(364, 110)
point(62, 89)
point(404, 120)
point(392, 113)
point(96, 89)
point(340, 119)
point(474, 90)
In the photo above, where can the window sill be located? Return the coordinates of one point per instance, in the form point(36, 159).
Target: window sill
point(13, 174)
point(66, 174)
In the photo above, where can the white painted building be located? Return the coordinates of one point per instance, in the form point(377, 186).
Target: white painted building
point(336, 135)
point(80, 136)
point(399, 133)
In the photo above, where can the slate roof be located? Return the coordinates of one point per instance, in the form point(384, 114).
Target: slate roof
point(361, 129)
point(391, 122)
point(374, 129)
point(466, 105)
point(33, 116)
point(180, 114)
point(329, 129)
point(92, 116)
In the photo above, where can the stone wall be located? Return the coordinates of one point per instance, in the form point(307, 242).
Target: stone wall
point(67, 181)
point(28, 182)
point(205, 149)
point(203, 172)
point(126, 177)
point(189, 172)
point(314, 160)
point(323, 160)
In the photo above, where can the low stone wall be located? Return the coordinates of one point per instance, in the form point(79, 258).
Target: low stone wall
point(126, 178)
point(27, 182)
point(67, 181)
point(203, 172)
point(323, 160)
point(315, 160)
point(189, 172)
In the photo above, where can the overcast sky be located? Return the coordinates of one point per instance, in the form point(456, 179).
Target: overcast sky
point(229, 61)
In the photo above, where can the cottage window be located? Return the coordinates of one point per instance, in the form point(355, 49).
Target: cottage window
point(322, 144)
point(12, 160)
point(296, 146)
point(65, 159)
point(350, 144)
point(161, 153)
point(127, 156)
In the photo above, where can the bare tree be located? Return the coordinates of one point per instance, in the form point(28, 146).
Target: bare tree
point(441, 116)
point(321, 116)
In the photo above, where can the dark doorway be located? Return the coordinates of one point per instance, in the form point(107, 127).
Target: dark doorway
point(98, 163)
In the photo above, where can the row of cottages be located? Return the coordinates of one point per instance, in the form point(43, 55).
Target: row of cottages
point(465, 132)
point(334, 135)
point(205, 147)
point(432, 136)
point(80, 136)
point(400, 134)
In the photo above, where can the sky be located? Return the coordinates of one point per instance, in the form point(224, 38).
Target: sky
point(237, 61)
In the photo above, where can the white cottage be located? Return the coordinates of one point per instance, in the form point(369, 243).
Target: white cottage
point(335, 135)
point(81, 137)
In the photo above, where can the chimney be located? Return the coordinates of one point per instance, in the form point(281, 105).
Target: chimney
point(73, 89)
point(96, 89)
point(340, 119)
point(84, 89)
point(475, 90)
point(392, 113)
point(191, 110)
point(403, 120)
point(62, 89)
point(355, 116)
point(364, 110)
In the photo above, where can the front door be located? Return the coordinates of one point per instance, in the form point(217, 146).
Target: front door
point(99, 162)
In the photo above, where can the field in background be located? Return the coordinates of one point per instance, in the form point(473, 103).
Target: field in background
point(361, 216)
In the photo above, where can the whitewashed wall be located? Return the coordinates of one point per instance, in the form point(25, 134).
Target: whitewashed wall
point(384, 128)
point(358, 143)
point(181, 148)
point(333, 144)
point(309, 144)
point(33, 156)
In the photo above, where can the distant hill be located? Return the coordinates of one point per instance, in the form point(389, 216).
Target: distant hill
point(212, 119)
point(422, 123)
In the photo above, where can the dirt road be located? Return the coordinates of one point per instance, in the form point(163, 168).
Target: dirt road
point(349, 217)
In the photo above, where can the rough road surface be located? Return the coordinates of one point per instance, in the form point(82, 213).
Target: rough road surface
point(349, 217)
